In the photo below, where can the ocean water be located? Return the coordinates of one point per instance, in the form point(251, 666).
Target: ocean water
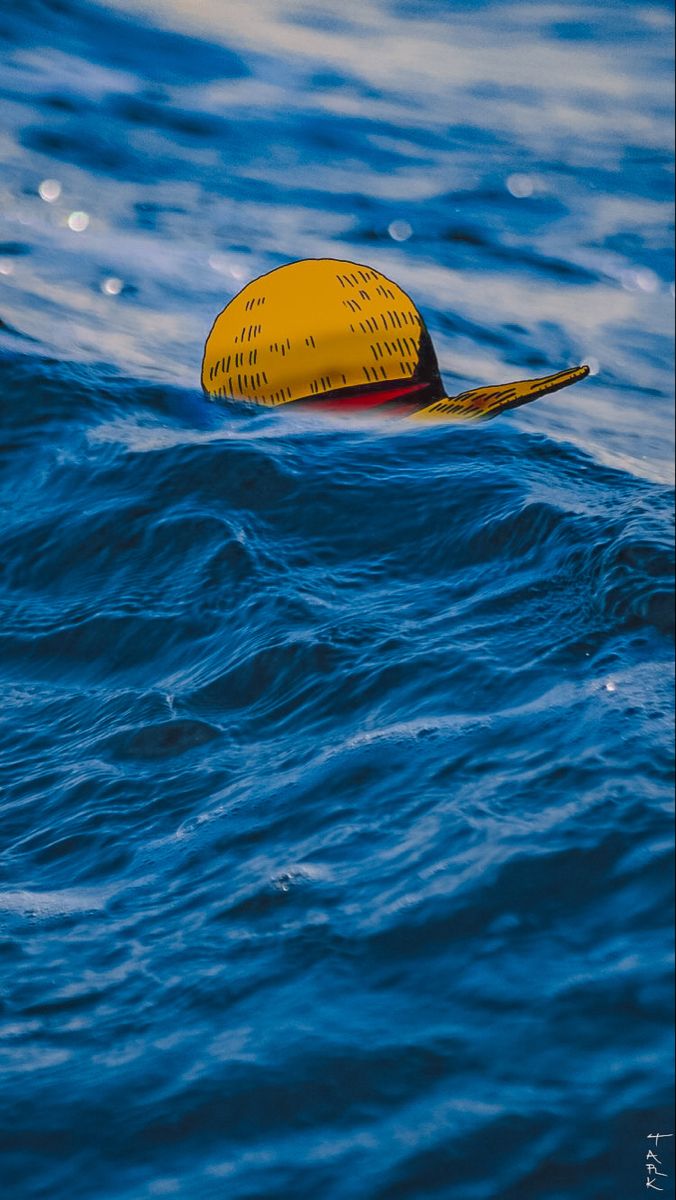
point(336, 758)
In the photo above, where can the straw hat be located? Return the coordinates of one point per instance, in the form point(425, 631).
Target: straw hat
point(340, 335)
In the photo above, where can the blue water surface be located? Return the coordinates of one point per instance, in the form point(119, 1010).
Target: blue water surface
point(336, 758)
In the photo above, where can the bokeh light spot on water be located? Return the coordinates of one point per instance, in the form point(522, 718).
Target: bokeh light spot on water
point(78, 221)
point(112, 286)
point(400, 231)
point(224, 265)
point(50, 190)
point(520, 186)
point(6, 266)
point(164, 1187)
point(640, 279)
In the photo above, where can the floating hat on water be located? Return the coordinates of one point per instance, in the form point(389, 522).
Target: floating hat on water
point(342, 336)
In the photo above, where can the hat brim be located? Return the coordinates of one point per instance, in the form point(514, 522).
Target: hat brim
point(485, 402)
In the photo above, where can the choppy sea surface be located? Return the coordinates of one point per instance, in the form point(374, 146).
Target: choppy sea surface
point(336, 759)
